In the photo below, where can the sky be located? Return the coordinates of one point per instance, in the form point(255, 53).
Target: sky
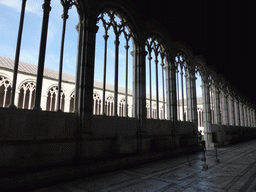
point(9, 24)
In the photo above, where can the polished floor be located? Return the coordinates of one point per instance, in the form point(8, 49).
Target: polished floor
point(236, 171)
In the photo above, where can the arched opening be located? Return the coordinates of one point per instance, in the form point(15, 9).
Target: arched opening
point(96, 104)
point(27, 95)
point(181, 80)
point(5, 91)
point(155, 77)
point(52, 99)
point(113, 62)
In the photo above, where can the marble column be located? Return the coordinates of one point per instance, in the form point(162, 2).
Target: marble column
point(245, 116)
point(237, 113)
point(173, 93)
point(168, 91)
point(207, 112)
point(67, 105)
point(193, 97)
point(16, 100)
point(80, 29)
point(254, 118)
point(248, 116)
point(225, 109)
point(86, 101)
point(216, 96)
point(189, 94)
point(44, 102)
point(40, 70)
point(241, 109)
point(232, 111)
point(141, 85)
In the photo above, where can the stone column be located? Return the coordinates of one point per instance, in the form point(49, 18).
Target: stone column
point(135, 55)
point(193, 97)
point(216, 96)
point(141, 104)
point(224, 109)
point(254, 118)
point(168, 90)
point(237, 112)
point(189, 93)
point(80, 29)
point(207, 112)
point(248, 116)
point(241, 113)
point(67, 105)
point(16, 101)
point(87, 79)
point(221, 108)
point(232, 111)
point(44, 102)
point(245, 115)
point(173, 93)
point(40, 70)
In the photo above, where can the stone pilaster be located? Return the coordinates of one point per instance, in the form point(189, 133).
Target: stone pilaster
point(141, 85)
point(225, 109)
point(189, 94)
point(16, 100)
point(67, 104)
point(207, 112)
point(44, 102)
point(173, 93)
point(193, 97)
point(232, 111)
point(241, 113)
point(248, 116)
point(237, 113)
point(216, 96)
point(87, 75)
point(245, 116)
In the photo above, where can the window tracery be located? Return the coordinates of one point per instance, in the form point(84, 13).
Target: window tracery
point(180, 60)
point(96, 104)
point(27, 95)
point(5, 91)
point(115, 65)
point(155, 76)
point(109, 105)
point(52, 96)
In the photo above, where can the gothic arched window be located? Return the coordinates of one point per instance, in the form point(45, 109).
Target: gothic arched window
point(27, 95)
point(122, 108)
point(112, 59)
point(96, 104)
point(181, 88)
point(5, 91)
point(109, 105)
point(52, 99)
point(155, 76)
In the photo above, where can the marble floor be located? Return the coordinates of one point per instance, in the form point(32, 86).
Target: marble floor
point(236, 171)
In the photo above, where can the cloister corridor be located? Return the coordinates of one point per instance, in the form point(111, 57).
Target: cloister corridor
point(106, 95)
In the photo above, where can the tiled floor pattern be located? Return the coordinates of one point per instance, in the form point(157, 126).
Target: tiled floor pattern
point(235, 172)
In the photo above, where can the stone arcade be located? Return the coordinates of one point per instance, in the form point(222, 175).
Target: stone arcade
point(140, 123)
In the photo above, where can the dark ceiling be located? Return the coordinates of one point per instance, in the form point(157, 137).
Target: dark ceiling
point(223, 32)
